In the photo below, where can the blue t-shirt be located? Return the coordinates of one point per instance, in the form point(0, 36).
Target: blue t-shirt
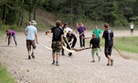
point(31, 31)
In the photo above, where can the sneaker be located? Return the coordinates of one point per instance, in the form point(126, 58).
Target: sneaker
point(57, 64)
point(53, 63)
point(29, 57)
point(99, 58)
point(107, 64)
point(70, 54)
point(112, 61)
point(93, 61)
point(32, 55)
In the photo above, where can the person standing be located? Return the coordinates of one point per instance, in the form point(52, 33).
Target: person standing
point(71, 39)
point(81, 31)
point(94, 44)
point(9, 34)
point(66, 29)
point(97, 33)
point(57, 41)
point(31, 37)
point(76, 27)
point(131, 28)
point(108, 35)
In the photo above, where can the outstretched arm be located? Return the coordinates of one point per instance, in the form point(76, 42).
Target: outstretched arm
point(49, 31)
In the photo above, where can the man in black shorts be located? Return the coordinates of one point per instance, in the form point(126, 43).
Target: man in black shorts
point(57, 40)
point(108, 36)
point(71, 38)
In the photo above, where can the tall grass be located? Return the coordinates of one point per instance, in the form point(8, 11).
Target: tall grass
point(4, 76)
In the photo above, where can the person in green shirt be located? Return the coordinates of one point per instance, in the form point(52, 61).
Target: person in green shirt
point(97, 33)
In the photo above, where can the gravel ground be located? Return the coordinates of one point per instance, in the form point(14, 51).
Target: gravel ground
point(76, 69)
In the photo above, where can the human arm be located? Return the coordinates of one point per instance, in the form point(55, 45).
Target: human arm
point(49, 31)
point(36, 38)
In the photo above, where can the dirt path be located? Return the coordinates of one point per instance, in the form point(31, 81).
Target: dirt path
point(77, 69)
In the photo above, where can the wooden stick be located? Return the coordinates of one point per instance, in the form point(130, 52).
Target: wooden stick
point(122, 55)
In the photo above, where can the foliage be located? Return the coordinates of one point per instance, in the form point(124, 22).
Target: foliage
point(115, 12)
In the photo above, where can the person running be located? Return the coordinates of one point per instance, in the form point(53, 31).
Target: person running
point(81, 31)
point(9, 34)
point(94, 44)
point(66, 29)
point(71, 39)
point(108, 35)
point(131, 28)
point(97, 33)
point(31, 37)
point(57, 40)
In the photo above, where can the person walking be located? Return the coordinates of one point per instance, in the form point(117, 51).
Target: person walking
point(97, 33)
point(108, 35)
point(94, 44)
point(31, 37)
point(9, 34)
point(57, 41)
point(131, 28)
point(81, 31)
point(71, 39)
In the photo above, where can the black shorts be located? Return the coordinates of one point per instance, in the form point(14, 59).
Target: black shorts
point(108, 50)
point(131, 30)
point(30, 43)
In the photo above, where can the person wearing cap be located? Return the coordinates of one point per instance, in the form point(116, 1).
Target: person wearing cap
point(31, 38)
point(108, 35)
point(57, 40)
point(9, 34)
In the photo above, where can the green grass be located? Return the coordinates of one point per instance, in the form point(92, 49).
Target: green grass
point(4, 76)
point(128, 44)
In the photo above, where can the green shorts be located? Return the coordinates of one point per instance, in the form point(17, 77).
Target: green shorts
point(94, 50)
point(56, 47)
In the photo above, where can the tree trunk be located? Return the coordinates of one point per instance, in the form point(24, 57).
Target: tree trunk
point(35, 13)
point(4, 14)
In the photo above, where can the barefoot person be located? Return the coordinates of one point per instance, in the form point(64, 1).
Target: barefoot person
point(94, 44)
point(56, 41)
point(31, 37)
point(108, 36)
point(9, 34)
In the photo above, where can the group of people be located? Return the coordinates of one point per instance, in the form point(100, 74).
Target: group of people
point(63, 35)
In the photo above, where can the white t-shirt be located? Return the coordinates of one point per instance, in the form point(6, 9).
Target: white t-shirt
point(66, 30)
point(30, 30)
point(131, 26)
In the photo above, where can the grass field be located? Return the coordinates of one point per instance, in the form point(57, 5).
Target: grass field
point(128, 44)
point(4, 76)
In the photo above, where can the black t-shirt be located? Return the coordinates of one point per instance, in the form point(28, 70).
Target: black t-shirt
point(94, 42)
point(57, 32)
point(108, 36)
point(72, 36)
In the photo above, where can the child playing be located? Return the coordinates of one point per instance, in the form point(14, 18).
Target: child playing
point(94, 43)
